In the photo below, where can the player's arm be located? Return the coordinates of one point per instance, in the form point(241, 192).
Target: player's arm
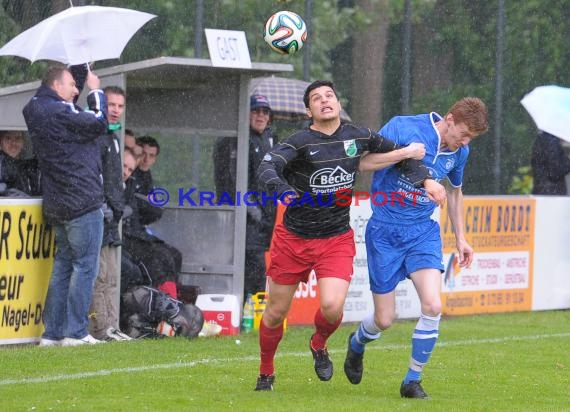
point(411, 169)
point(371, 162)
point(270, 171)
point(407, 159)
point(455, 212)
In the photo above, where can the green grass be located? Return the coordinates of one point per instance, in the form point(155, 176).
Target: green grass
point(517, 362)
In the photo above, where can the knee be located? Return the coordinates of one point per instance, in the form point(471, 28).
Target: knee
point(332, 311)
point(274, 315)
point(432, 308)
point(383, 320)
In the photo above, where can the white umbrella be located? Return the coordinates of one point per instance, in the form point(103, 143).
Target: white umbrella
point(549, 107)
point(78, 35)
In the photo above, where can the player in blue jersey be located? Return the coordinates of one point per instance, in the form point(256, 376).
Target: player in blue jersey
point(402, 241)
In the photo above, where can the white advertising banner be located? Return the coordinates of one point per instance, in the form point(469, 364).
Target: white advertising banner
point(489, 271)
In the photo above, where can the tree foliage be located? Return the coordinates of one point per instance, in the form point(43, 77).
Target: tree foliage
point(453, 55)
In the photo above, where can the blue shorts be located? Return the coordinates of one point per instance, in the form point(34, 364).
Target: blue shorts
point(395, 251)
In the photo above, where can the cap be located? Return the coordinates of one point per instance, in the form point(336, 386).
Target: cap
point(258, 101)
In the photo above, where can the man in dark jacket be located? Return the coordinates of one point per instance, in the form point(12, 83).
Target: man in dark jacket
point(159, 261)
point(550, 165)
point(150, 149)
point(163, 266)
point(260, 218)
point(65, 141)
point(104, 318)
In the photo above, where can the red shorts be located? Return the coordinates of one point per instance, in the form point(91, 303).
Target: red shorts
point(293, 257)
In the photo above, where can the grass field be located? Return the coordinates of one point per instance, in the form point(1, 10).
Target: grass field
point(516, 362)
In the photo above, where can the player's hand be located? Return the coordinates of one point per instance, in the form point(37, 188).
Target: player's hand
point(465, 253)
point(415, 151)
point(288, 198)
point(435, 191)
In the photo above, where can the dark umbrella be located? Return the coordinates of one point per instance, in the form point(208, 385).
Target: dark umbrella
point(285, 97)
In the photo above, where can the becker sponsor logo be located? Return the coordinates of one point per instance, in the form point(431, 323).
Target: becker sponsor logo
point(330, 180)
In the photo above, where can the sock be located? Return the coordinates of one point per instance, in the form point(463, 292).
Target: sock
point(423, 341)
point(169, 287)
point(268, 341)
point(366, 332)
point(323, 330)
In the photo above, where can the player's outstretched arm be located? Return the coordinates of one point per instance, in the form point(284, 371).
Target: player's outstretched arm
point(376, 161)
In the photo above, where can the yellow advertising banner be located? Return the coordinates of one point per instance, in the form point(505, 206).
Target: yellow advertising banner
point(27, 248)
point(501, 231)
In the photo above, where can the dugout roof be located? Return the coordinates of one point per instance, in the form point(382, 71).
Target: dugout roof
point(186, 104)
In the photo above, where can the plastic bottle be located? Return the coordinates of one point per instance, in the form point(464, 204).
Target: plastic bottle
point(247, 320)
point(165, 328)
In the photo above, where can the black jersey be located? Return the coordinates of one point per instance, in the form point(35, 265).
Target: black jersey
point(316, 167)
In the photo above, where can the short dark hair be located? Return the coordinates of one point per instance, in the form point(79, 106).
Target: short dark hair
point(130, 132)
point(313, 86)
point(149, 141)
point(16, 133)
point(130, 151)
point(114, 90)
point(53, 73)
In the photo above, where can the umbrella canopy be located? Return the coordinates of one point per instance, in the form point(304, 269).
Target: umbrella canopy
point(285, 97)
point(549, 107)
point(78, 35)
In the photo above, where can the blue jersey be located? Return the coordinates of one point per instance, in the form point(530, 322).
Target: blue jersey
point(393, 198)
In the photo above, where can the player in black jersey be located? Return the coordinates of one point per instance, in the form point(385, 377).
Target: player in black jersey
point(306, 171)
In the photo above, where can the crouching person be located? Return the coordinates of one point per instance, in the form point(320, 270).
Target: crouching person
point(148, 313)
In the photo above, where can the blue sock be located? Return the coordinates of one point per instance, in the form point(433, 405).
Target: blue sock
point(366, 332)
point(412, 375)
point(424, 339)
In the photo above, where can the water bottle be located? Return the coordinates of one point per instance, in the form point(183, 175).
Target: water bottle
point(247, 320)
point(165, 328)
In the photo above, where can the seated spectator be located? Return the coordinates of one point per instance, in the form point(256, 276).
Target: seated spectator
point(131, 273)
point(144, 181)
point(161, 261)
point(18, 177)
point(150, 152)
point(131, 142)
point(12, 143)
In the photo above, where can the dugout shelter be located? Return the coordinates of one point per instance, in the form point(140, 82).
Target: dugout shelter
point(186, 104)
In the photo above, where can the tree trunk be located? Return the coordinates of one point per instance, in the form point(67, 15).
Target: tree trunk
point(368, 55)
point(430, 70)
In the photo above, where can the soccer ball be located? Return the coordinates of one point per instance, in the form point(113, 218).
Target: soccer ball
point(285, 32)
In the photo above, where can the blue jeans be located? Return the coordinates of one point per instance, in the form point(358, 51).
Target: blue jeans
point(75, 268)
